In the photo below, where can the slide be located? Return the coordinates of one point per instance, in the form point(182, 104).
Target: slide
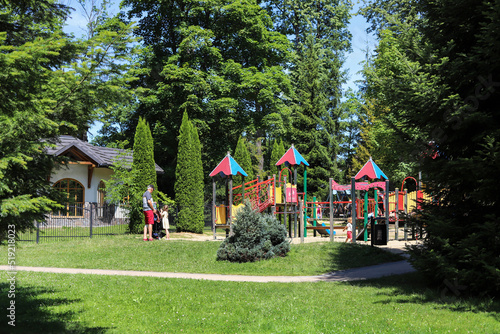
point(323, 232)
point(360, 235)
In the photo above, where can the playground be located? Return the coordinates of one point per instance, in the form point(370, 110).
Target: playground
point(377, 215)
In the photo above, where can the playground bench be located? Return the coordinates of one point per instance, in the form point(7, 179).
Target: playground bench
point(222, 226)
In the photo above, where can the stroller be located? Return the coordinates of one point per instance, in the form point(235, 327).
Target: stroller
point(157, 226)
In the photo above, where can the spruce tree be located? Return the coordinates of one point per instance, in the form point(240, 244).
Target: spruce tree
point(310, 129)
point(144, 173)
point(436, 70)
point(48, 81)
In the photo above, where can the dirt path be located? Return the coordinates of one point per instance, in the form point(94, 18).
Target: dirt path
point(355, 274)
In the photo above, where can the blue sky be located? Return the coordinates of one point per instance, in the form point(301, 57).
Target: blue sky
point(360, 41)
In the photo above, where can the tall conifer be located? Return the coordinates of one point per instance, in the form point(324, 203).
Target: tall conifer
point(144, 173)
point(242, 157)
point(189, 179)
point(273, 169)
point(197, 189)
point(184, 175)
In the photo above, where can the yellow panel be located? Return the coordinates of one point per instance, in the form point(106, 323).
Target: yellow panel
point(279, 195)
point(237, 208)
point(220, 215)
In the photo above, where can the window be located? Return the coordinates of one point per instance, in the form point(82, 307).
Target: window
point(75, 195)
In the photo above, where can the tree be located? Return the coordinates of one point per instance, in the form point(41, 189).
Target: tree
point(242, 157)
point(318, 31)
point(310, 131)
point(189, 179)
point(349, 127)
point(143, 173)
point(218, 60)
point(198, 202)
point(45, 77)
point(273, 169)
point(436, 75)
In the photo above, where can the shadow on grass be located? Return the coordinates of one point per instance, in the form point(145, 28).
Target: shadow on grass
point(33, 313)
point(412, 288)
point(343, 256)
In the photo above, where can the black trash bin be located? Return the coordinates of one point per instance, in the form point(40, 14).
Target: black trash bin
point(379, 234)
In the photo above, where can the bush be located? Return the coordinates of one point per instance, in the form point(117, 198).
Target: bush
point(255, 236)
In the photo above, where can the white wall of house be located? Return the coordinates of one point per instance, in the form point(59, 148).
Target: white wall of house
point(80, 173)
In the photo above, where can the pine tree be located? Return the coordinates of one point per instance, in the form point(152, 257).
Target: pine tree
point(143, 171)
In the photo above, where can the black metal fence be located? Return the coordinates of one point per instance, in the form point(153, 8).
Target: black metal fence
point(79, 221)
point(89, 220)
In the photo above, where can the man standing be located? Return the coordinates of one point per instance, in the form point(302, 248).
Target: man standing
point(149, 212)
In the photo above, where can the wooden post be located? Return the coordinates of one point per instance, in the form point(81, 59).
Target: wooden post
point(315, 213)
point(396, 214)
point(301, 222)
point(230, 203)
point(365, 216)
point(331, 210)
point(284, 209)
point(274, 194)
point(295, 206)
point(353, 208)
point(405, 206)
point(387, 207)
point(305, 203)
point(214, 208)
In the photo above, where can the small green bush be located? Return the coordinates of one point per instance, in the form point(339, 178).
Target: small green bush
point(255, 236)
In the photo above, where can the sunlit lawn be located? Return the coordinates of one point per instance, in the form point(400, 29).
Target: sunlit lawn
point(129, 252)
point(62, 303)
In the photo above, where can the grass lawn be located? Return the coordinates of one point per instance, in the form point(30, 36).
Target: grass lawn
point(62, 303)
point(129, 252)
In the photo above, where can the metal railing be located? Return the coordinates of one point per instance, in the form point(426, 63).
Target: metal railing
point(80, 221)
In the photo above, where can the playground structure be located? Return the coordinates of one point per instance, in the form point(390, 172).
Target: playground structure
point(280, 197)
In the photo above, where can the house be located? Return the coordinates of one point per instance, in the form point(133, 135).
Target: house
point(83, 179)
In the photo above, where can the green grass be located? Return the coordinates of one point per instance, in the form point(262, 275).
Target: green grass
point(61, 303)
point(129, 252)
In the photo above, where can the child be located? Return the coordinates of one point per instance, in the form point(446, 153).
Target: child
point(164, 220)
point(348, 227)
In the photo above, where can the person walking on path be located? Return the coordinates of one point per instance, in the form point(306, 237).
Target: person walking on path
point(164, 220)
point(149, 212)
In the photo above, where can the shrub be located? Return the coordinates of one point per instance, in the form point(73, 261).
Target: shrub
point(255, 236)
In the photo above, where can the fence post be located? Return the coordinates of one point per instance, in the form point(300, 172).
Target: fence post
point(37, 231)
point(91, 217)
